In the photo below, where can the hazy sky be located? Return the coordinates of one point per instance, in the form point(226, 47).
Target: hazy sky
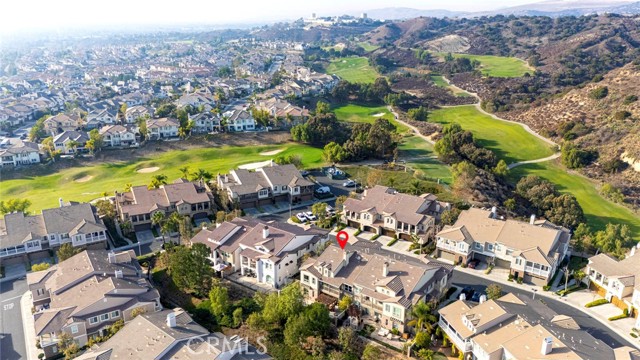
point(19, 15)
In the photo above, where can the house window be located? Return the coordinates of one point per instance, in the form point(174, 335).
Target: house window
point(347, 288)
point(396, 312)
point(498, 247)
point(93, 320)
point(461, 246)
point(478, 246)
point(115, 314)
point(387, 308)
point(275, 188)
point(518, 261)
point(104, 317)
point(313, 281)
point(305, 278)
point(509, 251)
point(74, 329)
point(264, 192)
point(490, 247)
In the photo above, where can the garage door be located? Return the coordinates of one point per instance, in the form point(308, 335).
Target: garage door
point(506, 264)
point(447, 256)
point(481, 257)
point(600, 290)
point(618, 302)
point(388, 232)
point(370, 229)
point(534, 280)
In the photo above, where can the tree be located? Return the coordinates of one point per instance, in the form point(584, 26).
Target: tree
point(501, 169)
point(579, 275)
point(67, 346)
point(422, 317)
point(449, 217)
point(158, 219)
point(322, 108)
point(66, 251)
point(201, 175)
point(185, 172)
point(40, 267)
point(333, 153)
point(420, 114)
point(157, 181)
point(15, 205)
point(184, 227)
point(347, 339)
point(220, 303)
point(142, 127)
point(371, 352)
point(49, 148)
point(340, 202)
point(494, 291)
point(220, 216)
point(105, 208)
point(190, 269)
point(126, 227)
point(422, 340)
point(345, 302)
point(237, 317)
point(426, 354)
point(96, 141)
point(123, 111)
point(319, 209)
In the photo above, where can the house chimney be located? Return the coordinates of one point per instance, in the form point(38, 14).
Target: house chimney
point(547, 345)
point(119, 274)
point(483, 298)
point(385, 269)
point(265, 232)
point(345, 257)
point(171, 319)
point(463, 296)
point(532, 220)
point(60, 202)
point(112, 257)
point(494, 211)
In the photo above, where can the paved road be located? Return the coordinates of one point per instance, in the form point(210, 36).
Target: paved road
point(12, 344)
point(586, 322)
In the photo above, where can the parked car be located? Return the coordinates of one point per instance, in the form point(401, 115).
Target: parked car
point(349, 183)
point(330, 210)
point(302, 217)
point(304, 173)
point(323, 190)
point(472, 264)
point(476, 296)
point(310, 216)
point(467, 291)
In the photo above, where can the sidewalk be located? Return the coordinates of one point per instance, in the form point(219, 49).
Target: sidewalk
point(29, 327)
point(575, 299)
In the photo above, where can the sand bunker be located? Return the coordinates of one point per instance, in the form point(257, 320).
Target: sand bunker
point(84, 179)
point(255, 165)
point(272, 152)
point(378, 115)
point(148, 170)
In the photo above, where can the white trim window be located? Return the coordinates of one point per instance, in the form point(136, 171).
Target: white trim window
point(115, 314)
point(74, 329)
point(104, 317)
point(93, 320)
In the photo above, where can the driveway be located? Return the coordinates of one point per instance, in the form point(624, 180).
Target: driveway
point(12, 344)
point(144, 235)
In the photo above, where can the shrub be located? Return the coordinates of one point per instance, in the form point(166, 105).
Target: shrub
point(546, 287)
point(599, 92)
point(618, 317)
point(40, 267)
point(375, 236)
point(510, 278)
point(596, 303)
point(520, 280)
point(488, 271)
point(630, 99)
point(357, 232)
point(621, 115)
point(295, 220)
point(393, 241)
point(463, 265)
point(634, 335)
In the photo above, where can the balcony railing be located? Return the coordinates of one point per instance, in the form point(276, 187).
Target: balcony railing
point(451, 247)
point(10, 252)
point(535, 271)
point(454, 336)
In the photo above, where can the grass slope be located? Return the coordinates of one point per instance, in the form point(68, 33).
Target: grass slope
point(422, 157)
point(352, 69)
point(509, 141)
point(598, 210)
point(368, 47)
point(439, 81)
point(44, 189)
point(499, 66)
point(365, 114)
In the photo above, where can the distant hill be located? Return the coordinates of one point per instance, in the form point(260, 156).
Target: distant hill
point(401, 13)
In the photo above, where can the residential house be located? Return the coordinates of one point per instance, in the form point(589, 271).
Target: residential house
point(516, 327)
point(85, 294)
point(284, 111)
point(617, 280)
point(270, 252)
point(266, 185)
point(14, 152)
point(96, 119)
point(133, 113)
point(531, 250)
point(62, 122)
point(196, 100)
point(239, 120)
point(185, 198)
point(70, 141)
point(205, 123)
point(25, 238)
point(384, 286)
point(118, 136)
point(385, 211)
point(171, 335)
point(163, 128)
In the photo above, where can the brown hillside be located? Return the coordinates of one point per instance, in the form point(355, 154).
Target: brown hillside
point(599, 127)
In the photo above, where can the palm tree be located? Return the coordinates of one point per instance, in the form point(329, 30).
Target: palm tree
point(579, 275)
point(127, 187)
point(182, 133)
point(185, 172)
point(289, 120)
point(415, 186)
point(126, 227)
point(73, 145)
point(157, 181)
point(423, 318)
point(201, 175)
point(158, 219)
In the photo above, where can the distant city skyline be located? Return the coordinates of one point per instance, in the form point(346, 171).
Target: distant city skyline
point(28, 15)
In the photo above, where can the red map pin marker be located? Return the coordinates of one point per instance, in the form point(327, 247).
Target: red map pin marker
point(342, 238)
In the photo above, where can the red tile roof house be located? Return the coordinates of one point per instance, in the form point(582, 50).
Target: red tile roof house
point(87, 293)
point(271, 252)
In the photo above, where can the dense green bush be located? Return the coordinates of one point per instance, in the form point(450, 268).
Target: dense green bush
point(599, 93)
point(596, 303)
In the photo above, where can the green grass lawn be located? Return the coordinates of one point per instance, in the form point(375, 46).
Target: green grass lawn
point(439, 81)
point(366, 114)
point(44, 189)
point(353, 69)
point(597, 210)
point(499, 66)
point(367, 46)
point(423, 158)
point(509, 141)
